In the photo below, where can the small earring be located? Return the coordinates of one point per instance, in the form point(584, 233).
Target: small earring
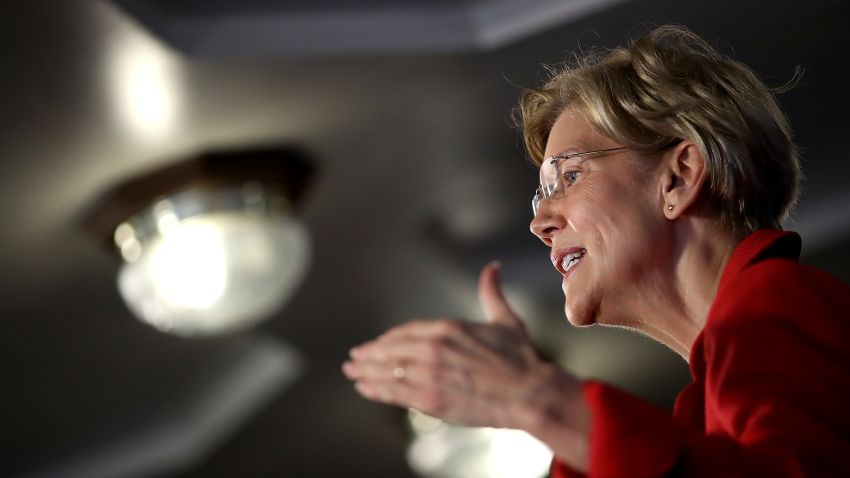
point(670, 207)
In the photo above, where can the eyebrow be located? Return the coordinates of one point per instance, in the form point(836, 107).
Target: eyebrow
point(565, 152)
point(571, 155)
point(577, 147)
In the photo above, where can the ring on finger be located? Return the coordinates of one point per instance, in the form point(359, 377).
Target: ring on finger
point(399, 373)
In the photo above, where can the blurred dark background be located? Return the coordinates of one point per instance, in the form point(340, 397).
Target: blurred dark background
point(405, 106)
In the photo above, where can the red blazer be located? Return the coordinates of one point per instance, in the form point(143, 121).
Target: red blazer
point(770, 395)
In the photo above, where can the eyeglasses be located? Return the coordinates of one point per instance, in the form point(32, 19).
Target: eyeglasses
point(554, 179)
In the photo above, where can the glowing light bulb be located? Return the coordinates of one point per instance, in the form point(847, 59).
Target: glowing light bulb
point(188, 265)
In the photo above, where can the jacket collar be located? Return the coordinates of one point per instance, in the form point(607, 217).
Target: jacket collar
point(762, 244)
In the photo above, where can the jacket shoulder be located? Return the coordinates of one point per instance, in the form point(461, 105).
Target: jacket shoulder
point(776, 293)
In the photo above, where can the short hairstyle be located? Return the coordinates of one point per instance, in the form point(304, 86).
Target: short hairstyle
point(670, 85)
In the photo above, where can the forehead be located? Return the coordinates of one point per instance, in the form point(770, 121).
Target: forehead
point(572, 132)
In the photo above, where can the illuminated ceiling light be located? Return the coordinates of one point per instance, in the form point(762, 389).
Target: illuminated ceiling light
point(210, 244)
point(440, 449)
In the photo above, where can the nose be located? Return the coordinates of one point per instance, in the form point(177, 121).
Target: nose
point(546, 223)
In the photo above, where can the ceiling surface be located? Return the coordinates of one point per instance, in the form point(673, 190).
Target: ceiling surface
point(421, 181)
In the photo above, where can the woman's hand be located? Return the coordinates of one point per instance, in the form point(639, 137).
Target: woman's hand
point(479, 374)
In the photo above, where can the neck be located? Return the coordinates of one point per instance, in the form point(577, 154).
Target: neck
point(686, 287)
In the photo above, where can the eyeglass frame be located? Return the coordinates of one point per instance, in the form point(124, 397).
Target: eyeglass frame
point(542, 193)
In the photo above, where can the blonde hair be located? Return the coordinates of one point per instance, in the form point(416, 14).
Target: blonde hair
point(671, 85)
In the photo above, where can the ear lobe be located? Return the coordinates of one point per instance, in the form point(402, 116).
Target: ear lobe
point(683, 177)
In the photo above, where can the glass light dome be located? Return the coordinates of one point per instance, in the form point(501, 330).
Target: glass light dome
point(210, 261)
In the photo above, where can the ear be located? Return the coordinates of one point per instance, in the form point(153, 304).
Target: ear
point(684, 172)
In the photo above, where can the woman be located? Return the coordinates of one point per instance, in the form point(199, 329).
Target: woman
point(665, 172)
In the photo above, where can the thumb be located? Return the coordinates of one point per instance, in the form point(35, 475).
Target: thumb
point(496, 307)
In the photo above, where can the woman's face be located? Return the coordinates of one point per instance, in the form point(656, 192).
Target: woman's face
point(607, 231)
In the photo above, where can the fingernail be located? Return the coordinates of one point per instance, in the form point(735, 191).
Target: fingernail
point(495, 264)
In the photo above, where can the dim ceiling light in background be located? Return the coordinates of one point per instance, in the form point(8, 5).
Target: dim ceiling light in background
point(145, 85)
point(211, 244)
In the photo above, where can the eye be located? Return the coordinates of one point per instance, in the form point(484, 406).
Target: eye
point(570, 176)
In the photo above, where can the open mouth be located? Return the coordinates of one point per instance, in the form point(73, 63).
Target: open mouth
point(570, 260)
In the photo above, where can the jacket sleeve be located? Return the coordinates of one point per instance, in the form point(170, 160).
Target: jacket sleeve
point(777, 389)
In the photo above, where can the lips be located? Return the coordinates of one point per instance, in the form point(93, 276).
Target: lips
point(565, 260)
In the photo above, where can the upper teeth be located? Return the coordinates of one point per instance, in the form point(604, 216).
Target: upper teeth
point(571, 260)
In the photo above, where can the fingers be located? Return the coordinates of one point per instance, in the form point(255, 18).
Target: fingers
point(417, 360)
point(402, 394)
point(406, 373)
point(424, 387)
point(424, 329)
point(425, 341)
point(448, 368)
point(374, 371)
point(496, 307)
point(398, 350)
point(387, 392)
point(412, 365)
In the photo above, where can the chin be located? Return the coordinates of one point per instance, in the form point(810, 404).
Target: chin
point(579, 316)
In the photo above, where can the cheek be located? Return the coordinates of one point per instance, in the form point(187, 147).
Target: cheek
point(621, 230)
point(599, 218)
